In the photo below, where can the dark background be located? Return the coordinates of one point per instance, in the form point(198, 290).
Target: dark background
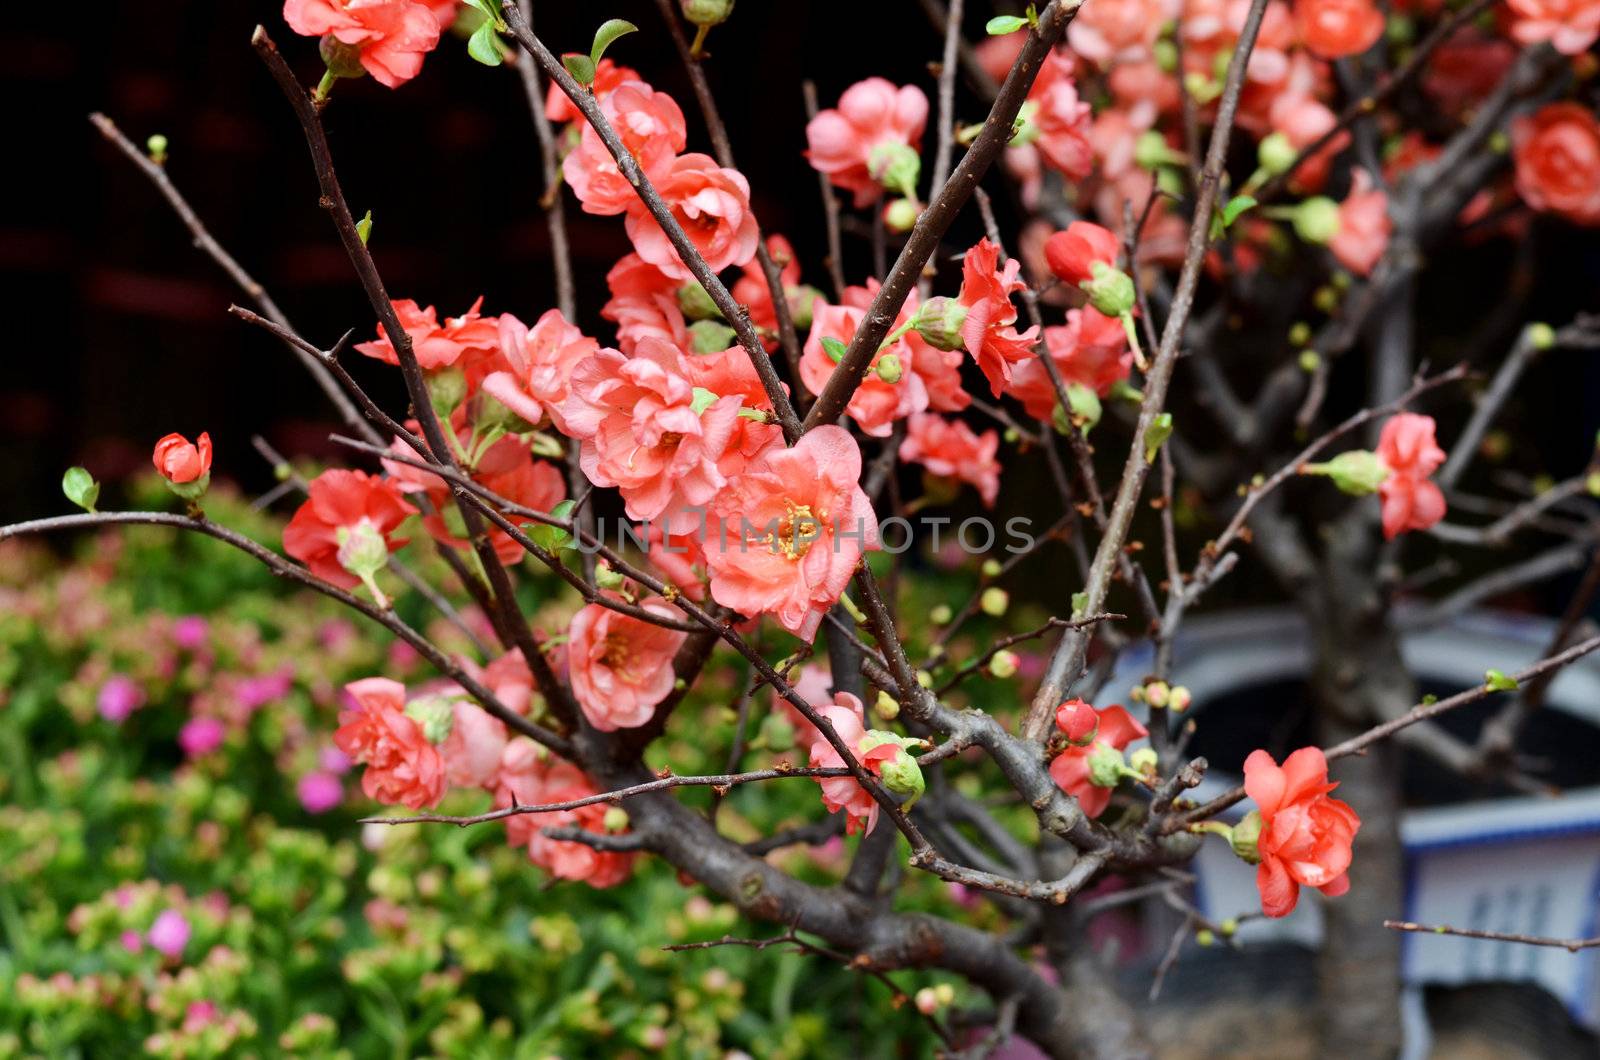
point(117, 326)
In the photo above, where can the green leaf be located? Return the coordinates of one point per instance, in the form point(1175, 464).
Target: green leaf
point(81, 488)
point(609, 31)
point(835, 349)
point(1236, 206)
point(553, 538)
point(1157, 436)
point(364, 228)
point(1080, 604)
point(484, 46)
point(490, 9)
point(1498, 681)
point(581, 69)
point(1000, 25)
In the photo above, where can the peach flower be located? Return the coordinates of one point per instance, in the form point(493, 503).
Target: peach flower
point(644, 304)
point(1305, 836)
point(1117, 30)
point(1569, 25)
point(538, 365)
point(435, 345)
point(341, 508)
point(1091, 350)
point(1557, 154)
point(645, 430)
point(1410, 501)
point(391, 35)
point(951, 449)
point(792, 529)
point(1333, 29)
point(1364, 226)
point(876, 403)
point(711, 204)
point(621, 666)
point(1116, 728)
point(607, 76)
point(402, 766)
point(650, 125)
point(987, 332)
point(846, 793)
point(531, 776)
point(845, 141)
point(472, 751)
point(180, 461)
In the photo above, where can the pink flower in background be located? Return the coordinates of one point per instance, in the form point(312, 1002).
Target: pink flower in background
point(201, 736)
point(1410, 499)
point(118, 698)
point(472, 751)
point(1570, 26)
point(951, 449)
point(1118, 30)
point(644, 304)
point(319, 792)
point(190, 632)
point(1059, 121)
point(792, 529)
point(169, 934)
point(711, 204)
point(392, 35)
point(132, 941)
point(621, 666)
point(1090, 350)
point(1364, 226)
point(530, 775)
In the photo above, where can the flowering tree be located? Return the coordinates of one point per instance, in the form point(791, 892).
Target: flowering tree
point(1181, 228)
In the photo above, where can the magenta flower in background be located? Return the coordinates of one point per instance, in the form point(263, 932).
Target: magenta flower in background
point(170, 933)
point(201, 736)
point(334, 761)
point(190, 632)
point(320, 792)
point(118, 698)
point(257, 692)
point(198, 1015)
point(132, 941)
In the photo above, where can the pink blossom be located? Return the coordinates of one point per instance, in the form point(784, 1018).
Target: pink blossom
point(538, 365)
point(1090, 350)
point(644, 304)
point(1364, 226)
point(472, 751)
point(436, 345)
point(169, 934)
point(642, 433)
point(712, 206)
point(621, 666)
point(530, 776)
point(1410, 499)
point(1569, 25)
point(792, 529)
point(872, 113)
point(876, 403)
point(392, 35)
point(1060, 122)
point(1117, 30)
point(650, 126)
point(190, 632)
point(986, 290)
point(118, 698)
point(201, 736)
point(402, 766)
point(319, 792)
point(951, 449)
point(846, 793)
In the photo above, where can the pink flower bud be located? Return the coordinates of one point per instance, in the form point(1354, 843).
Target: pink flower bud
point(1078, 721)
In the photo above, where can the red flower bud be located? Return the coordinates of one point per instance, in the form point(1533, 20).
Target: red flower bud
point(1079, 721)
point(181, 462)
point(1072, 253)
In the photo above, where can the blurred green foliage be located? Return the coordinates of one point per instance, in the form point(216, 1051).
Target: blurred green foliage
point(310, 934)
